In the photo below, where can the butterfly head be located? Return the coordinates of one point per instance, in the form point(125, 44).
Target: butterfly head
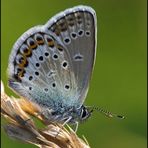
point(85, 113)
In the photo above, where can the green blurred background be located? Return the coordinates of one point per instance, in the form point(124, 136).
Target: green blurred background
point(119, 78)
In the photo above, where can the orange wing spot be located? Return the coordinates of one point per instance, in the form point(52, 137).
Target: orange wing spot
point(27, 52)
point(23, 62)
point(50, 42)
point(33, 46)
point(21, 73)
point(40, 42)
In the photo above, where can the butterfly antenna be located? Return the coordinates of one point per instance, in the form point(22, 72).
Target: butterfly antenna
point(107, 113)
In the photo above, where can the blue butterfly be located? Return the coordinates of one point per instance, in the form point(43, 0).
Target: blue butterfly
point(51, 64)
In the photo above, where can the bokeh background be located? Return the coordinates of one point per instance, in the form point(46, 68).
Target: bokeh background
point(119, 78)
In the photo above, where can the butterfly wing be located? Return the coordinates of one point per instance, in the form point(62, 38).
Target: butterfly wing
point(52, 64)
point(39, 69)
point(77, 29)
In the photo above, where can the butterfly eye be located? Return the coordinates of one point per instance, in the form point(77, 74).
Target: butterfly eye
point(83, 114)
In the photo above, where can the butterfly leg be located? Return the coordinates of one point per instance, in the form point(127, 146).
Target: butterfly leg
point(76, 126)
point(67, 120)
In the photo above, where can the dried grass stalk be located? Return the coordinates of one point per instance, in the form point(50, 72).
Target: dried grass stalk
point(18, 111)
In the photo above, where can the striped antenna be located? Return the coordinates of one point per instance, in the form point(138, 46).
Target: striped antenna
point(107, 113)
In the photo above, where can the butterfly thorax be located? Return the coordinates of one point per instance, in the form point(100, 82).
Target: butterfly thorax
point(66, 114)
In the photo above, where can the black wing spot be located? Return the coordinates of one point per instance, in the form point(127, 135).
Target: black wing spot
point(67, 40)
point(46, 54)
point(78, 57)
point(41, 58)
point(37, 65)
point(55, 56)
point(87, 33)
point(73, 35)
point(64, 64)
point(80, 32)
point(30, 78)
point(53, 85)
point(67, 87)
point(37, 73)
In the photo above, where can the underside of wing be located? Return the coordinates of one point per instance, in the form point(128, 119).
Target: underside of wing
point(39, 69)
point(52, 64)
point(76, 28)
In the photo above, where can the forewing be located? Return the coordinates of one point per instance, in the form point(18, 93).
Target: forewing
point(76, 28)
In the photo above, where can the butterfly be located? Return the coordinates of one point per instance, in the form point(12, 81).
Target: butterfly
point(51, 65)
